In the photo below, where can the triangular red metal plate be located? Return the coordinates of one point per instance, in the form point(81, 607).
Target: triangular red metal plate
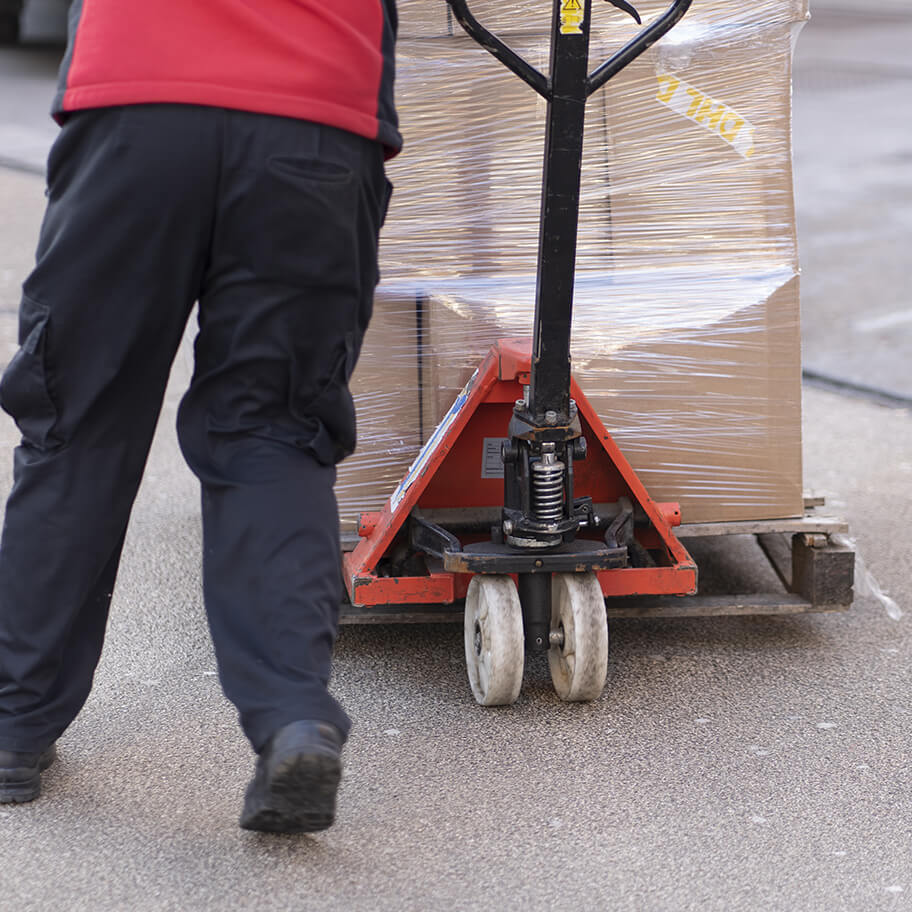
point(458, 468)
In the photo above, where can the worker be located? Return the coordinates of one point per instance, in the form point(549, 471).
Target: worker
point(231, 154)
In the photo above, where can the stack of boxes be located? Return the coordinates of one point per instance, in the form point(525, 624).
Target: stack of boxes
point(686, 312)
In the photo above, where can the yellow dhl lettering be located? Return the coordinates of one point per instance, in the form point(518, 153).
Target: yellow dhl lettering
point(702, 109)
point(668, 85)
point(731, 126)
point(711, 112)
point(697, 101)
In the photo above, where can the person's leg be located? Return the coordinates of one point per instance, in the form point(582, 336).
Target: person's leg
point(268, 414)
point(119, 266)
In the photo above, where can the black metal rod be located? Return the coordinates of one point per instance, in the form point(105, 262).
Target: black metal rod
point(644, 40)
point(491, 43)
point(566, 91)
point(550, 376)
point(535, 598)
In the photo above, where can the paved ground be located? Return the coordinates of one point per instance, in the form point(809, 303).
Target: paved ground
point(853, 167)
point(736, 764)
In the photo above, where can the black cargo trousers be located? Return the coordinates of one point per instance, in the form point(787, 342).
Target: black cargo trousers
point(271, 224)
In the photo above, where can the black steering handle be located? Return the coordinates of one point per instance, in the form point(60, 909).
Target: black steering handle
point(541, 83)
point(642, 42)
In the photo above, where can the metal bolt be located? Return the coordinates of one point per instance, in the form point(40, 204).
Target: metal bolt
point(538, 563)
point(572, 408)
point(508, 526)
point(550, 417)
point(556, 637)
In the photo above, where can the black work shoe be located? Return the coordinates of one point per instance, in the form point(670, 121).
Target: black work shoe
point(20, 774)
point(297, 775)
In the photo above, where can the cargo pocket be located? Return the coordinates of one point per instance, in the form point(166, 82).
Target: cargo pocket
point(329, 414)
point(24, 389)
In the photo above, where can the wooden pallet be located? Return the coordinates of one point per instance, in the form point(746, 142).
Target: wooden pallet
point(816, 572)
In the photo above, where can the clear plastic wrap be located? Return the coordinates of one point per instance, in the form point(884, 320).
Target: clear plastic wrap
point(686, 310)
point(866, 584)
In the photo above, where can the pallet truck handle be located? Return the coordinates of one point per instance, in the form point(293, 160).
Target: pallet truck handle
point(508, 57)
point(643, 41)
point(541, 83)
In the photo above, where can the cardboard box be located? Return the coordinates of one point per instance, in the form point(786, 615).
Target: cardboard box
point(385, 387)
point(687, 159)
point(698, 153)
point(468, 181)
point(704, 399)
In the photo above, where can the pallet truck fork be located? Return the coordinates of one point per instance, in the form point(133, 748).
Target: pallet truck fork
point(520, 502)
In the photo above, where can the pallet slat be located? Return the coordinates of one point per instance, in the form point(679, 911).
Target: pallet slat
point(759, 603)
point(809, 525)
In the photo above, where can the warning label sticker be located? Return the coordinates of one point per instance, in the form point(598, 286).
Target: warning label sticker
point(571, 17)
point(491, 462)
point(709, 113)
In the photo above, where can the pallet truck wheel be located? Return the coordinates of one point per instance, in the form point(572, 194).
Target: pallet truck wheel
point(579, 664)
point(494, 640)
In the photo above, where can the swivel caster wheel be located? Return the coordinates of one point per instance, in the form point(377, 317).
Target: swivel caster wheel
point(578, 657)
point(494, 640)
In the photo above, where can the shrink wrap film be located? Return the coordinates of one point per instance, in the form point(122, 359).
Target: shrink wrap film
point(686, 310)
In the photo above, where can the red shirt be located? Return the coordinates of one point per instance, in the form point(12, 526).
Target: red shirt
point(329, 61)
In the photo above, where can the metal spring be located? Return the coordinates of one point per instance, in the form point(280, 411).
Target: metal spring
point(548, 489)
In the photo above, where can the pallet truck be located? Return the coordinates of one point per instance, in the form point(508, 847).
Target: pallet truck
point(520, 503)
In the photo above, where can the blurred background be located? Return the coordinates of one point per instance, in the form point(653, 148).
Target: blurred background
point(33, 20)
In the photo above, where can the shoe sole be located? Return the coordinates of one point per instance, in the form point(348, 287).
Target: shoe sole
point(25, 787)
point(300, 797)
point(21, 791)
